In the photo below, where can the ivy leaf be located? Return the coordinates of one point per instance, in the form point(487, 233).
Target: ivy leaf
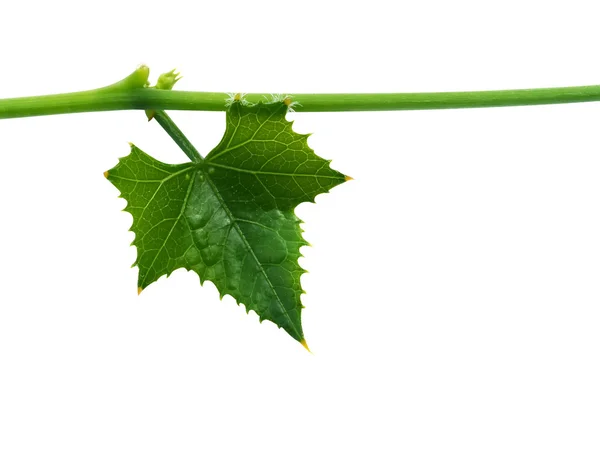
point(230, 217)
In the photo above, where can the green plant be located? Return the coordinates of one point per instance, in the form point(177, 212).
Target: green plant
point(230, 216)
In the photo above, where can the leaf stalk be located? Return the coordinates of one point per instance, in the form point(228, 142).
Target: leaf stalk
point(177, 135)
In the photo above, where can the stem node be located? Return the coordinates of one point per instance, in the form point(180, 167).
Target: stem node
point(136, 80)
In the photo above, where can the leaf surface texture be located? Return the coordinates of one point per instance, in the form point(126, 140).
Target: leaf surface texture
point(230, 218)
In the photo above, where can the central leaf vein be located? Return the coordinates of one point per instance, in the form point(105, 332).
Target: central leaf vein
point(234, 221)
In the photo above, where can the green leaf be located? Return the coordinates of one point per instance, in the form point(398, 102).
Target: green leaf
point(230, 217)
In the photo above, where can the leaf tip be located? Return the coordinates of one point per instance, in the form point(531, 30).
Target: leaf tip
point(140, 289)
point(347, 178)
point(238, 97)
point(106, 174)
point(287, 101)
point(305, 345)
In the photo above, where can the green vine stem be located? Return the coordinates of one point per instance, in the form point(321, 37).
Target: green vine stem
point(132, 93)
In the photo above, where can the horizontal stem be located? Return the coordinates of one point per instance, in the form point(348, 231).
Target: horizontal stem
point(119, 97)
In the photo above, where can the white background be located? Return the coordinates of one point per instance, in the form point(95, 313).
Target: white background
point(454, 289)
